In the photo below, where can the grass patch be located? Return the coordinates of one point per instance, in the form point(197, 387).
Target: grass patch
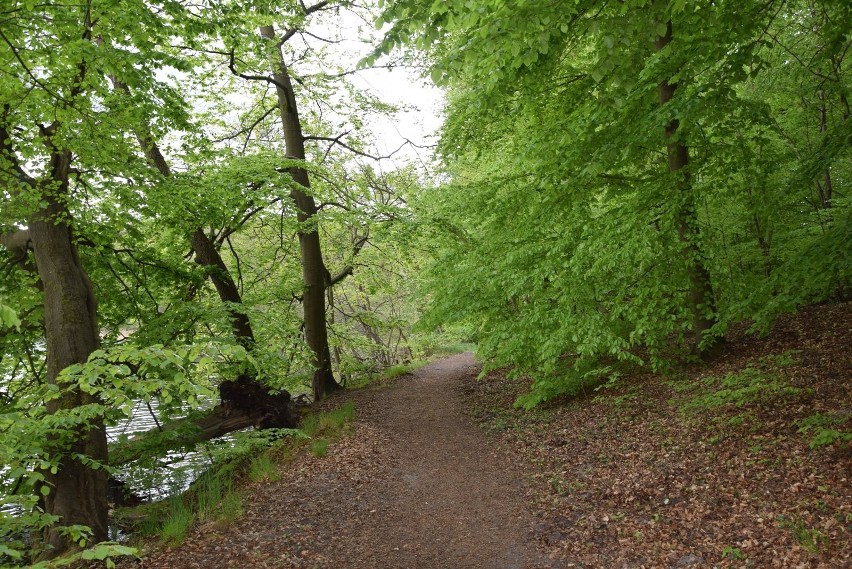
point(230, 509)
point(319, 447)
point(217, 501)
point(812, 540)
point(379, 377)
point(329, 422)
point(178, 522)
point(453, 348)
point(211, 499)
point(264, 469)
point(324, 427)
point(399, 370)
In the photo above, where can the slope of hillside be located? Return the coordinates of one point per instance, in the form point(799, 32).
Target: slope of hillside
point(742, 463)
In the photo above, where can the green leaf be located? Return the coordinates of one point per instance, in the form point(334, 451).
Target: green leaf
point(8, 317)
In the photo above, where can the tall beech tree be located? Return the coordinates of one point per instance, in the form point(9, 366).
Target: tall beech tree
point(314, 273)
point(245, 401)
point(49, 114)
point(75, 487)
point(301, 34)
point(702, 303)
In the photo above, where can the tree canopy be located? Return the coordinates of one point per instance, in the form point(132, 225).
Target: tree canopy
point(194, 216)
point(571, 232)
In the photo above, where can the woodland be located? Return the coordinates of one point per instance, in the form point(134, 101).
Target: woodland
point(198, 220)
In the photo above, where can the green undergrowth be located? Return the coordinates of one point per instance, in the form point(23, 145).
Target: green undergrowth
point(217, 497)
point(452, 348)
point(384, 376)
point(761, 382)
point(826, 429)
point(810, 539)
point(584, 378)
point(372, 378)
point(732, 402)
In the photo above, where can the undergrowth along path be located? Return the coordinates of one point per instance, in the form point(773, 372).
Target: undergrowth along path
point(415, 485)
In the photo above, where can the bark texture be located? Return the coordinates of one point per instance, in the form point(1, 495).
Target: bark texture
point(314, 273)
point(701, 299)
point(78, 493)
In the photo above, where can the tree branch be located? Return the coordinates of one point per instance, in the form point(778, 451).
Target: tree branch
point(232, 67)
point(336, 140)
point(247, 130)
point(348, 270)
point(7, 152)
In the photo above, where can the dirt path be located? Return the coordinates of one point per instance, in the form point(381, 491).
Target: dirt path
point(417, 485)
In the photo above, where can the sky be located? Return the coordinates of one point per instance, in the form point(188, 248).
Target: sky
point(421, 103)
point(421, 111)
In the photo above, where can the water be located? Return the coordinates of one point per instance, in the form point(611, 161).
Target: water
point(171, 473)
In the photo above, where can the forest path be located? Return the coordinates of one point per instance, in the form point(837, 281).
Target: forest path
point(415, 485)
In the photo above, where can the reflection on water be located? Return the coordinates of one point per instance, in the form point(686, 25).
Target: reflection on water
point(173, 472)
point(169, 474)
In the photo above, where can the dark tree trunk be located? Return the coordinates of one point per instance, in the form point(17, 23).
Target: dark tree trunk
point(206, 253)
point(78, 493)
point(314, 273)
point(824, 189)
point(701, 300)
point(208, 256)
point(245, 401)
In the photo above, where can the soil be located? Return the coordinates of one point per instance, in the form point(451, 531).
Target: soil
point(415, 485)
point(440, 470)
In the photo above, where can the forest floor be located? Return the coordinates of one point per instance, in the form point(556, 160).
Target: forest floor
point(708, 466)
point(415, 484)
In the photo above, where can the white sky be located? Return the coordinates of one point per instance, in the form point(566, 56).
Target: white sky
point(420, 102)
point(421, 113)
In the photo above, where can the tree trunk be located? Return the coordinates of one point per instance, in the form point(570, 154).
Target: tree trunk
point(824, 190)
point(78, 493)
point(314, 273)
point(206, 253)
point(701, 300)
point(208, 256)
point(245, 401)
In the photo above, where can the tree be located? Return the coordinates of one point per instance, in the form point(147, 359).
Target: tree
point(75, 487)
point(60, 115)
point(603, 161)
point(40, 132)
point(245, 54)
point(702, 303)
point(314, 273)
point(244, 395)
